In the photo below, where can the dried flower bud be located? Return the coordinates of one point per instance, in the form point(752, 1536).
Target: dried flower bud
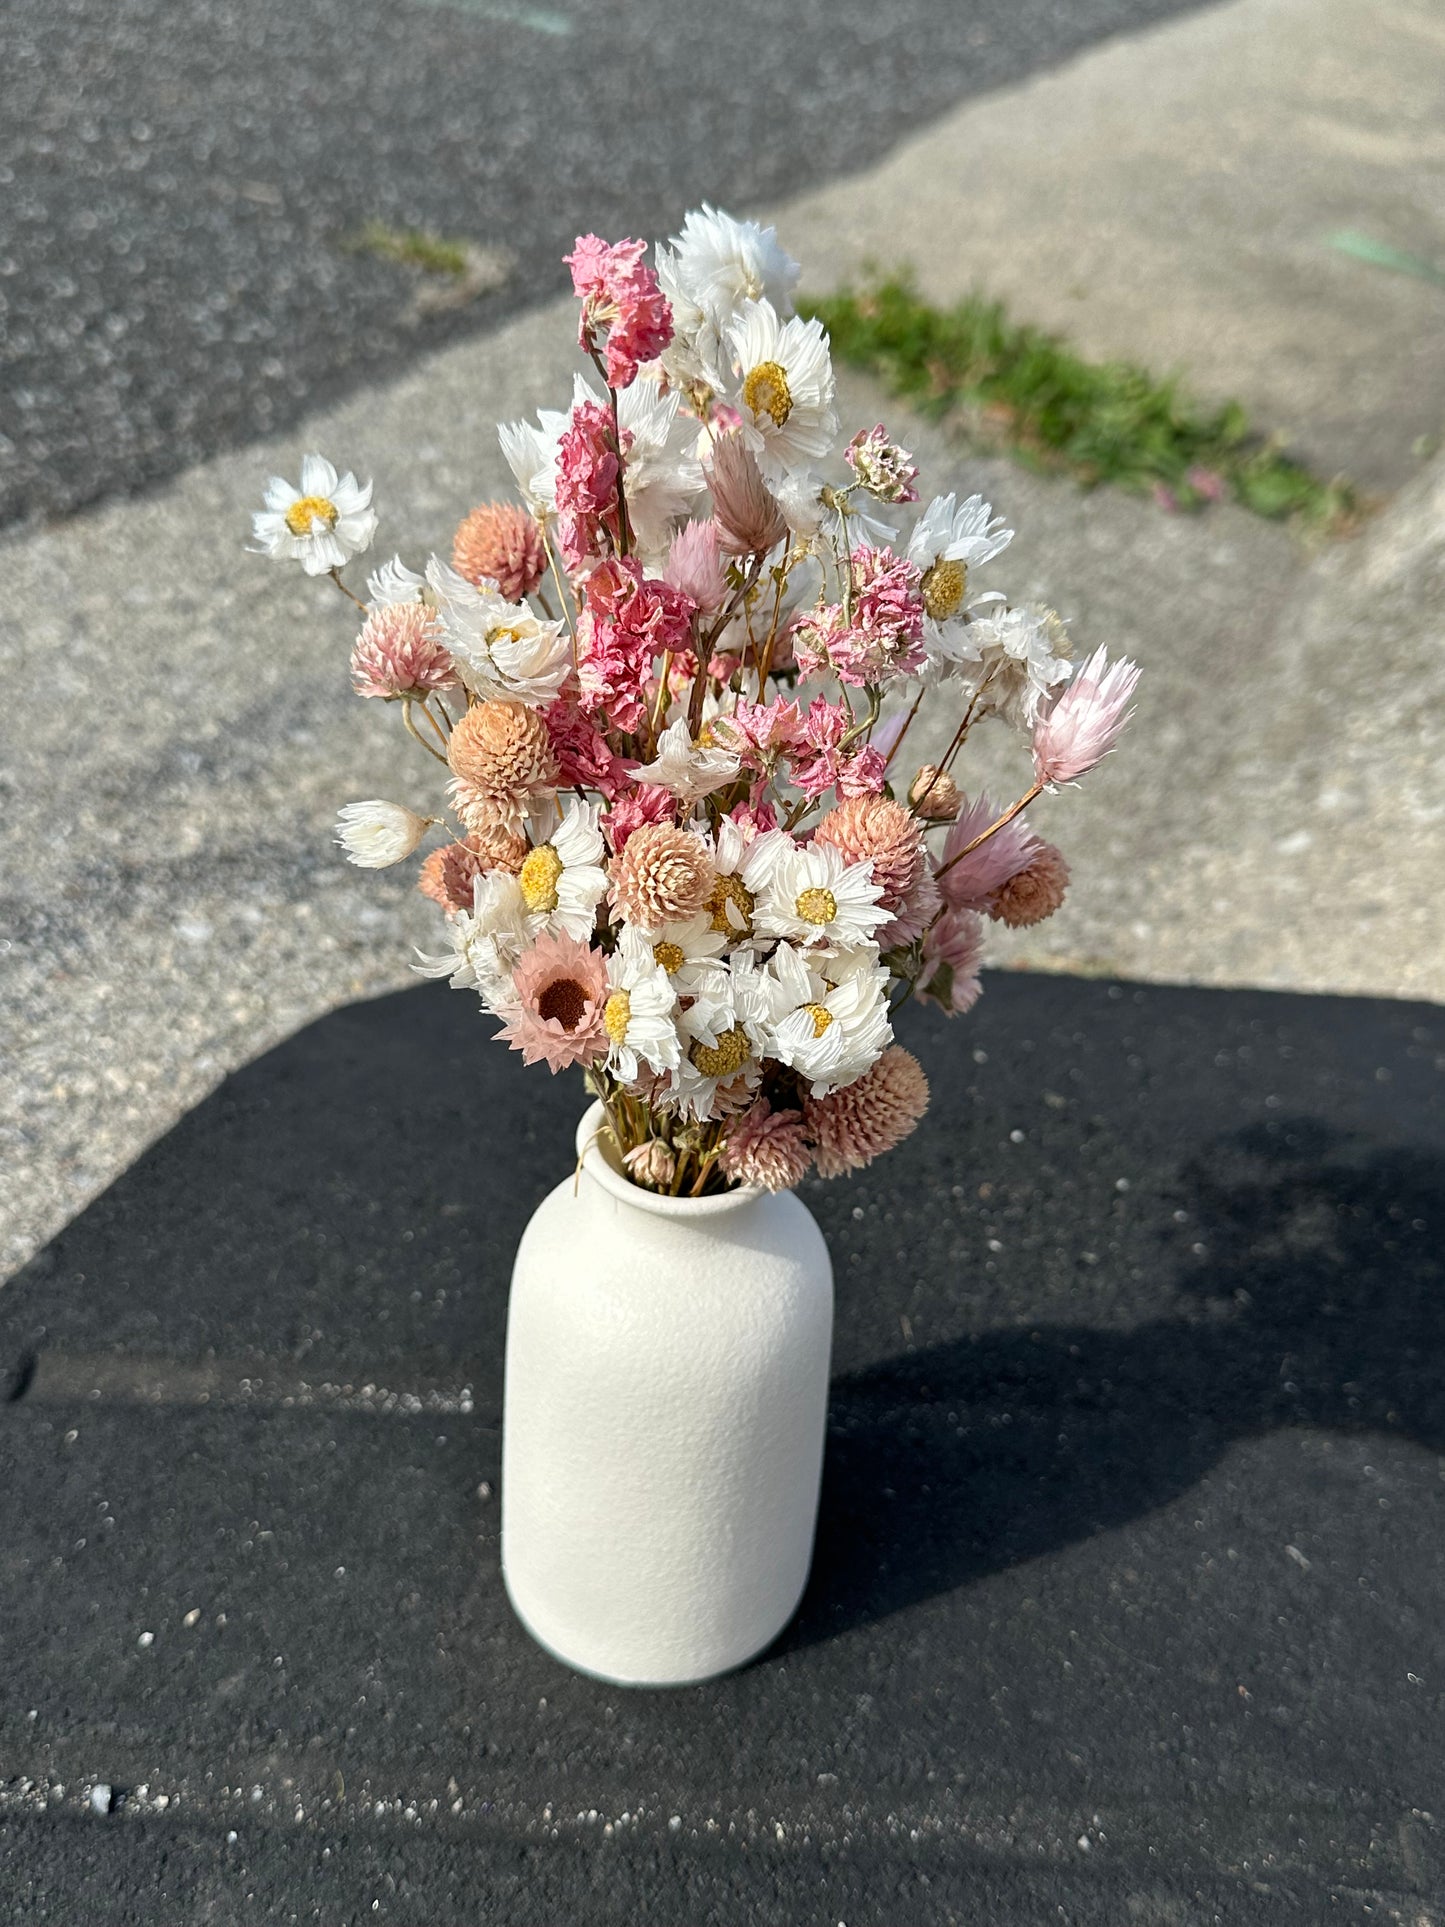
point(651, 1164)
point(934, 795)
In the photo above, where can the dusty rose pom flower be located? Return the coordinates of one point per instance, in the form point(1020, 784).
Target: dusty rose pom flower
point(766, 1147)
point(620, 295)
point(400, 652)
point(952, 953)
point(501, 754)
point(1034, 892)
point(500, 543)
point(651, 1164)
point(934, 795)
point(749, 517)
point(974, 880)
point(561, 992)
point(695, 566)
point(1084, 724)
point(852, 1126)
point(877, 827)
point(664, 873)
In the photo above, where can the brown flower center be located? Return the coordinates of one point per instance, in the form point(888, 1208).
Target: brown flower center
point(730, 889)
point(303, 516)
point(565, 1001)
point(817, 906)
point(731, 1051)
point(821, 1017)
point(669, 957)
point(617, 1015)
point(943, 588)
point(766, 392)
point(538, 878)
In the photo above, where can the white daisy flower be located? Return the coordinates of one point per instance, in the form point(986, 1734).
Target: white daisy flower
point(949, 541)
point(687, 768)
point(392, 583)
point(707, 272)
point(783, 389)
point(322, 524)
point(562, 880)
point(485, 941)
point(640, 1014)
point(829, 1017)
point(376, 834)
point(813, 896)
point(741, 868)
point(725, 1028)
point(1011, 659)
point(687, 949)
point(502, 652)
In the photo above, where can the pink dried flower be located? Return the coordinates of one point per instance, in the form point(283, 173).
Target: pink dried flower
point(863, 773)
point(1034, 892)
point(761, 732)
point(634, 810)
point(663, 873)
point(952, 953)
point(651, 1163)
point(934, 795)
point(629, 621)
point(500, 543)
point(449, 874)
point(620, 295)
point(974, 880)
point(766, 1147)
point(1085, 722)
point(859, 1122)
point(815, 758)
point(588, 466)
point(502, 756)
point(882, 831)
point(884, 469)
point(584, 756)
point(754, 818)
point(883, 639)
point(749, 517)
point(695, 567)
point(400, 652)
point(561, 991)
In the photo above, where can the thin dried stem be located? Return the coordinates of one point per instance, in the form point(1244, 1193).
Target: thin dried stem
point(983, 836)
point(412, 730)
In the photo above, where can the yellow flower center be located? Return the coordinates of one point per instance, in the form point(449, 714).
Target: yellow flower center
point(669, 957)
point(766, 392)
point(821, 1017)
point(943, 588)
point(816, 906)
point(730, 889)
point(617, 1015)
point(538, 877)
point(731, 1051)
point(303, 516)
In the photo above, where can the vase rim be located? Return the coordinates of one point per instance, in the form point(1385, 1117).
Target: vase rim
point(598, 1159)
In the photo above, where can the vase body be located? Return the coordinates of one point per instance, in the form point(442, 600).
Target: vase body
point(665, 1408)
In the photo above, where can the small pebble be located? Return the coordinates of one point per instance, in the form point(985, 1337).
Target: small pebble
point(146, 1639)
point(100, 1798)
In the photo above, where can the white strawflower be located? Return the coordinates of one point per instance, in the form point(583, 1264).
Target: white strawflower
point(562, 880)
point(501, 651)
point(531, 453)
point(485, 941)
point(782, 388)
point(813, 896)
point(322, 524)
point(687, 768)
point(707, 272)
point(392, 583)
point(375, 834)
point(1011, 659)
point(640, 1014)
point(829, 1017)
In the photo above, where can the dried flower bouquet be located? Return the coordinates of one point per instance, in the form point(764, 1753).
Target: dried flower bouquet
point(671, 689)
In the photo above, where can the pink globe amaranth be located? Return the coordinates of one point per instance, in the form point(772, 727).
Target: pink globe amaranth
point(499, 542)
point(852, 1126)
point(400, 653)
point(766, 1147)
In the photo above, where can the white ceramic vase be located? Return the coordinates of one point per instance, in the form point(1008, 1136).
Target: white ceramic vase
point(666, 1400)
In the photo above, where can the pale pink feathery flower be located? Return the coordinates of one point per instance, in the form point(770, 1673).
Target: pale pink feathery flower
point(400, 652)
point(560, 993)
point(860, 1121)
point(622, 300)
point(499, 542)
point(952, 954)
point(766, 1147)
point(1035, 892)
point(694, 565)
point(749, 516)
point(973, 880)
point(1084, 723)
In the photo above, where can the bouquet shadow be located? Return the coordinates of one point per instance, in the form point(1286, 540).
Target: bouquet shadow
point(1321, 1304)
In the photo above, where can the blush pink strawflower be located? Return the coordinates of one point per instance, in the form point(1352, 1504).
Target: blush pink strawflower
point(560, 988)
point(1081, 727)
point(626, 317)
point(852, 1126)
point(766, 1147)
point(974, 880)
point(1034, 892)
point(694, 566)
point(934, 795)
point(400, 652)
point(651, 1163)
point(952, 953)
point(500, 543)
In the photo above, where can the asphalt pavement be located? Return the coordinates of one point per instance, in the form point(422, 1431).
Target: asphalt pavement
point(179, 179)
point(1126, 1600)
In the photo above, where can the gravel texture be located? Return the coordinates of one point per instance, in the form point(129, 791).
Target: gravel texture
point(179, 177)
point(1125, 1606)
